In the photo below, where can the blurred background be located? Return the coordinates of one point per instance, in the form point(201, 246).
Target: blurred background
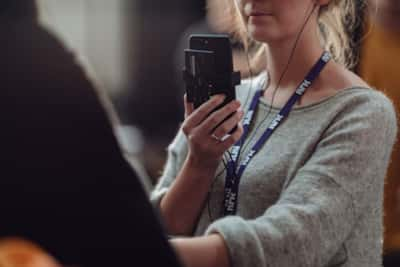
point(131, 47)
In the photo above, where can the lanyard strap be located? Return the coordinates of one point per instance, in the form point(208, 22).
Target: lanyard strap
point(233, 177)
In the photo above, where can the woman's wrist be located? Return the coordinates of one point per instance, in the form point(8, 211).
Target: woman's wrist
point(200, 165)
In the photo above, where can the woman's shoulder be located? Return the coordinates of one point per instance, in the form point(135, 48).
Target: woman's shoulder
point(356, 100)
point(368, 101)
point(349, 90)
point(249, 86)
point(361, 92)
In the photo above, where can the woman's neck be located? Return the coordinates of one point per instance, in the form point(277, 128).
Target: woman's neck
point(278, 55)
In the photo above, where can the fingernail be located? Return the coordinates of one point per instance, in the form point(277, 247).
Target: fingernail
point(237, 103)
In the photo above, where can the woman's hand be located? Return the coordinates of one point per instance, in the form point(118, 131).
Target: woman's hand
point(205, 132)
point(182, 204)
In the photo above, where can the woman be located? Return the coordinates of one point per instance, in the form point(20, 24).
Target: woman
point(311, 194)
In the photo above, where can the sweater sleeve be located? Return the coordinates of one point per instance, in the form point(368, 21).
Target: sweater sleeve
point(320, 205)
point(177, 152)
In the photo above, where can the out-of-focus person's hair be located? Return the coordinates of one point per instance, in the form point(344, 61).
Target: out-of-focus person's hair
point(15, 252)
point(18, 9)
point(336, 20)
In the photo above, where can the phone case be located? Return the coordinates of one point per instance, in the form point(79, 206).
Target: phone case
point(209, 69)
point(200, 66)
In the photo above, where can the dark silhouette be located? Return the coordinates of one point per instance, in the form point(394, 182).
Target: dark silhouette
point(64, 183)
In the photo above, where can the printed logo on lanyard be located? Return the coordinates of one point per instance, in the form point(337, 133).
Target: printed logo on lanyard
point(233, 176)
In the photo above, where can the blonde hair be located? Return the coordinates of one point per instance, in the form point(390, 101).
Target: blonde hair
point(337, 21)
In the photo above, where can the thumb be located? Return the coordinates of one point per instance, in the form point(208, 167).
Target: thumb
point(188, 106)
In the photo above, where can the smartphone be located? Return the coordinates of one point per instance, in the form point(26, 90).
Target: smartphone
point(209, 69)
point(200, 65)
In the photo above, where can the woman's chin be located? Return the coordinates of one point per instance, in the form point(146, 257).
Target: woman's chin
point(260, 34)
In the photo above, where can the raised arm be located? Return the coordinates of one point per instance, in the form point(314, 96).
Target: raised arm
point(183, 202)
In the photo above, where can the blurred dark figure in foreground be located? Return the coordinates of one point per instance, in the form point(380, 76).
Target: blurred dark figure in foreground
point(380, 66)
point(64, 183)
point(151, 101)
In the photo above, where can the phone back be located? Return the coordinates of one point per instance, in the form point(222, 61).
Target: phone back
point(224, 79)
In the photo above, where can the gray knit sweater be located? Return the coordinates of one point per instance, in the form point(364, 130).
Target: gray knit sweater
point(313, 195)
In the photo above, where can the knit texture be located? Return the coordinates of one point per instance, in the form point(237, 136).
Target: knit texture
point(313, 195)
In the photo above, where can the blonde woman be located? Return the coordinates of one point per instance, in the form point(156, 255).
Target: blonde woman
point(300, 182)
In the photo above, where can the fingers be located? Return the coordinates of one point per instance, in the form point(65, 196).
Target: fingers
point(215, 146)
point(232, 139)
point(203, 127)
point(228, 125)
point(218, 116)
point(188, 106)
point(197, 116)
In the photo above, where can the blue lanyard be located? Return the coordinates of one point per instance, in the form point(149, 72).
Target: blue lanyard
point(233, 177)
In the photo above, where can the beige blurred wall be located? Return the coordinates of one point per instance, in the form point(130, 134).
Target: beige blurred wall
point(97, 31)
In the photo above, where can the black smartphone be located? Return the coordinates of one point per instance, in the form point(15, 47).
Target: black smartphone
point(209, 69)
point(200, 65)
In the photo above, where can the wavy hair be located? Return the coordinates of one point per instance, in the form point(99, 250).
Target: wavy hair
point(337, 22)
